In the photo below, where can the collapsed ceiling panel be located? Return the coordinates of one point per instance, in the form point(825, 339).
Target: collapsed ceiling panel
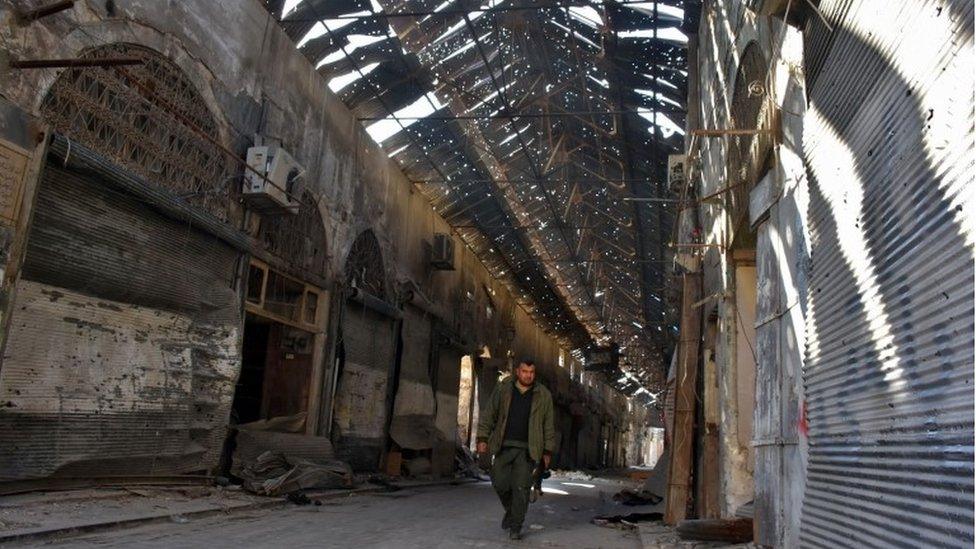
point(540, 131)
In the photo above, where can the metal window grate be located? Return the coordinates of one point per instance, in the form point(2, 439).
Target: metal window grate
point(364, 266)
point(150, 119)
point(298, 239)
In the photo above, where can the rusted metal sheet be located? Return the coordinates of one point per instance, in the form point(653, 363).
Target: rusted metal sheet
point(124, 347)
point(767, 415)
point(889, 365)
point(448, 379)
point(685, 401)
point(361, 394)
point(782, 259)
point(108, 244)
point(98, 387)
point(414, 405)
point(415, 393)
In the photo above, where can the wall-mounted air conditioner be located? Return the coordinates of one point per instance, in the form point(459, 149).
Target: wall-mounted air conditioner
point(272, 185)
point(442, 252)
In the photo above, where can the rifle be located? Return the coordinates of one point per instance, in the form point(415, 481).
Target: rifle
point(538, 474)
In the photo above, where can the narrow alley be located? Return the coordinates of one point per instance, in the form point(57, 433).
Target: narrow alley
point(487, 273)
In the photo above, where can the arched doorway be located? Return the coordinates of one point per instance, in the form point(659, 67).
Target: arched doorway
point(286, 312)
point(365, 358)
point(117, 323)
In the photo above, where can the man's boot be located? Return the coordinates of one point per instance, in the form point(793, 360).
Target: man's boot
point(507, 521)
point(515, 532)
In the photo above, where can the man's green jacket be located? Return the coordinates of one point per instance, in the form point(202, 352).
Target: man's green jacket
point(542, 434)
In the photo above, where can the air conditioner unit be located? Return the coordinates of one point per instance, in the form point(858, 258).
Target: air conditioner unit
point(442, 252)
point(676, 172)
point(272, 184)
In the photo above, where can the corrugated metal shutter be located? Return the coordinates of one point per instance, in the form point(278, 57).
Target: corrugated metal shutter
point(360, 401)
point(106, 244)
point(414, 405)
point(448, 381)
point(889, 373)
point(123, 348)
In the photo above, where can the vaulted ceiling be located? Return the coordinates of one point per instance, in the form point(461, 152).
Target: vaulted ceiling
point(540, 130)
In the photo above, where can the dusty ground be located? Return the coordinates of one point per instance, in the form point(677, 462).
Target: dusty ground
point(448, 516)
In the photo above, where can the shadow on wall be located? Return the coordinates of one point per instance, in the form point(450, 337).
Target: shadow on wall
point(889, 367)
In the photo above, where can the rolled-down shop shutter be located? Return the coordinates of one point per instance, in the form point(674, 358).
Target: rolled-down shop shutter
point(123, 348)
point(448, 380)
point(361, 394)
point(412, 426)
point(889, 370)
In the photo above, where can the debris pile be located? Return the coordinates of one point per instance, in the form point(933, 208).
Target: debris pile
point(626, 522)
point(637, 497)
point(273, 458)
point(274, 474)
point(467, 465)
point(571, 475)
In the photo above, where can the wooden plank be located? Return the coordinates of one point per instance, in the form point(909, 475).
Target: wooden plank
point(709, 486)
point(679, 474)
point(23, 146)
point(767, 425)
point(729, 530)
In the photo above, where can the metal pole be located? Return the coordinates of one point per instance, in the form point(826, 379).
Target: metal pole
point(74, 63)
point(511, 116)
point(43, 11)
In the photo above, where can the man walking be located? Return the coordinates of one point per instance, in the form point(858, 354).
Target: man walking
point(517, 429)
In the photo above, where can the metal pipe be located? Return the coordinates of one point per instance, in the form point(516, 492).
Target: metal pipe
point(43, 11)
point(454, 12)
point(547, 178)
point(375, 304)
point(549, 114)
point(612, 261)
point(729, 131)
point(74, 63)
point(415, 297)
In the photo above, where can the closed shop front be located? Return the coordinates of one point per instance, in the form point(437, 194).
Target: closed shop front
point(361, 393)
point(889, 370)
point(117, 325)
point(366, 359)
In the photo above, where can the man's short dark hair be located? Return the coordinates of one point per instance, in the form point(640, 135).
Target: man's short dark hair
point(527, 362)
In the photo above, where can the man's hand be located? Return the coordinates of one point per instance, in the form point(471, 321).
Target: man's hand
point(545, 461)
point(482, 447)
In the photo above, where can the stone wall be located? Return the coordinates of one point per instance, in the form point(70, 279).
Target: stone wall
point(254, 82)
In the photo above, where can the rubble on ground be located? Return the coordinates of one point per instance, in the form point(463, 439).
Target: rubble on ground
point(274, 474)
point(570, 475)
point(637, 497)
point(273, 458)
point(628, 521)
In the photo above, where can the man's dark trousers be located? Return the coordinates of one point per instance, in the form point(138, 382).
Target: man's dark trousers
point(511, 476)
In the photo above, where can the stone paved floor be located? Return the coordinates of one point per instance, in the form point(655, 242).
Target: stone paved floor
point(446, 516)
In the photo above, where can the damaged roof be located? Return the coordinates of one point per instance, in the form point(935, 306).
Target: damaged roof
point(540, 131)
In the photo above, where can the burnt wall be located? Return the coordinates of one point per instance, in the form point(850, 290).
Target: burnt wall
point(254, 82)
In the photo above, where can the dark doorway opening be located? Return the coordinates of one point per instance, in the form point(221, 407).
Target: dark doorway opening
point(249, 392)
point(276, 367)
